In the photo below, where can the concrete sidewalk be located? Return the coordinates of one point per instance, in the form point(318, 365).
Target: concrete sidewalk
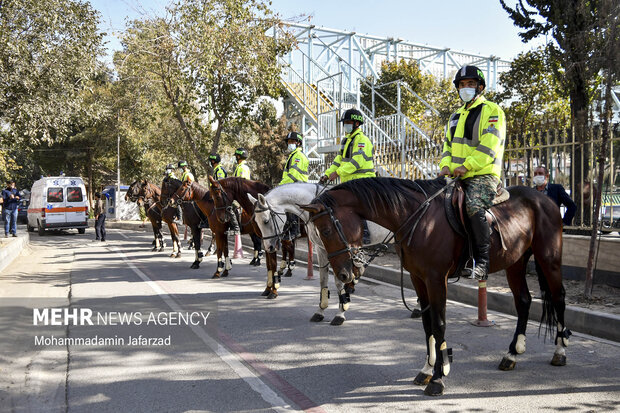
point(11, 247)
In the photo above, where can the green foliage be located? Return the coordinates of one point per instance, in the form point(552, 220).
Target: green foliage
point(532, 94)
point(47, 60)
point(268, 153)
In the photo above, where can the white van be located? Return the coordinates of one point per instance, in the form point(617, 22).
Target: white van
point(58, 202)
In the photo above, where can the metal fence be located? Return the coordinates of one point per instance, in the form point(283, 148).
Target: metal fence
point(571, 163)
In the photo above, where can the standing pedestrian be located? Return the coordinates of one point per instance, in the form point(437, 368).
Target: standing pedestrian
point(10, 202)
point(99, 213)
point(555, 192)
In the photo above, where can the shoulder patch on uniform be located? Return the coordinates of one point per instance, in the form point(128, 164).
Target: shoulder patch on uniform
point(297, 160)
point(493, 118)
point(361, 145)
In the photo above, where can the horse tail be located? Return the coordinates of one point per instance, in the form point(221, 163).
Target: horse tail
point(549, 316)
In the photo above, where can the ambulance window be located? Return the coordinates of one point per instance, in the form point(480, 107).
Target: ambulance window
point(54, 194)
point(74, 194)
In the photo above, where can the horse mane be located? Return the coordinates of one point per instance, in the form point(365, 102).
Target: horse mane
point(379, 194)
point(202, 191)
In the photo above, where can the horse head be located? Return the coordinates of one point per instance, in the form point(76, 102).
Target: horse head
point(168, 188)
point(270, 222)
point(185, 192)
point(133, 192)
point(341, 232)
point(221, 202)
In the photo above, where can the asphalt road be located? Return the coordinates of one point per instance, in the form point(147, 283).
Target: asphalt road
point(251, 354)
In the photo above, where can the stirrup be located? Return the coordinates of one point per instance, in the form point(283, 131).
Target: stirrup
point(480, 274)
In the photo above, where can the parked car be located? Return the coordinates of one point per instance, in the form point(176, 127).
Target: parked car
point(610, 219)
point(22, 211)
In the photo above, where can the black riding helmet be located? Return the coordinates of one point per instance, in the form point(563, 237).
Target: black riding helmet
point(469, 72)
point(293, 135)
point(182, 164)
point(353, 114)
point(242, 153)
point(170, 166)
point(215, 157)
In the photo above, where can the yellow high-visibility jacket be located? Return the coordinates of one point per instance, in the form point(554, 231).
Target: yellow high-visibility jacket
point(354, 160)
point(296, 168)
point(242, 170)
point(475, 139)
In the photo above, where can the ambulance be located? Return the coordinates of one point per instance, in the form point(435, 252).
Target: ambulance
point(58, 202)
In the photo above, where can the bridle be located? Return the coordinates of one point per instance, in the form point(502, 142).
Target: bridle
point(227, 204)
point(176, 197)
point(273, 214)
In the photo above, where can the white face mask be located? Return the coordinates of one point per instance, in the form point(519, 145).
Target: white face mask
point(467, 94)
point(538, 180)
point(291, 147)
point(348, 128)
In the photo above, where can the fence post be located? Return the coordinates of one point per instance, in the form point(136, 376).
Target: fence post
point(310, 274)
point(482, 320)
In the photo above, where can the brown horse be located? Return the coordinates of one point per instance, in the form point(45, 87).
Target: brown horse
point(430, 250)
point(192, 216)
point(145, 193)
point(192, 191)
point(227, 190)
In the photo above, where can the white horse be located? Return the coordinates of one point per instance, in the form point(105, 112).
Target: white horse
point(270, 216)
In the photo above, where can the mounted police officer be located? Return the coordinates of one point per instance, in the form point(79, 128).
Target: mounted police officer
point(242, 169)
point(473, 150)
point(354, 160)
point(169, 172)
point(186, 176)
point(218, 171)
point(295, 170)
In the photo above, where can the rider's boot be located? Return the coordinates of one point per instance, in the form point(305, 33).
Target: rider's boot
point(481, 242)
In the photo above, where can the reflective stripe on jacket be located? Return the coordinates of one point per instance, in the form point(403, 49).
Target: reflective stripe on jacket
point(242, 170)
point(219, 172)
point(354, 159)
point(296, 168)
point(475, 139)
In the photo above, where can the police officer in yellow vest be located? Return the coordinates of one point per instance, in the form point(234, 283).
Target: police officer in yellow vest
point(295, 170)
point(218, 170)
point(354, 160)
point(473, 150)
point(242, 170)
point(187, 174)
point(169, 172)
point(296, 167)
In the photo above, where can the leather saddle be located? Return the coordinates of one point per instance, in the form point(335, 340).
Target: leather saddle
point(455, 213)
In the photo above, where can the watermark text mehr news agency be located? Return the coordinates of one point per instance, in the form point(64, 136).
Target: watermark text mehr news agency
point(86, 316)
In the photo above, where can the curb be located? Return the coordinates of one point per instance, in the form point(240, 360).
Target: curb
point(11, 248)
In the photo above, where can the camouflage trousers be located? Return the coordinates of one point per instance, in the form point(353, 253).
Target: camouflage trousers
point(479, 192)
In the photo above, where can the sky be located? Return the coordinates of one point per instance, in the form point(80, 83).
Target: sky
point(476, 26)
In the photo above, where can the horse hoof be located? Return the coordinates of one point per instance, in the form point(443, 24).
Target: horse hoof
point(225, 273)
point(558, 360)
point(337, 321)
point(195, 265)
point(416, 313)
point(253, 262)
point(434, 388)
point(161, 249)
point(257, 264)
point(154, 249)
point(506, 364)
point(216, 275)
point(266, 292)
point(173, 255)
point(272, 296)
point(422, 379)
point(178, 255)
point(317, 318)
point(289, 273)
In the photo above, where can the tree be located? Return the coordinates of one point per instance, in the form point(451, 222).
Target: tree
point(48, 56)
point(48, 60)
point(532, 93)
point(229, 57)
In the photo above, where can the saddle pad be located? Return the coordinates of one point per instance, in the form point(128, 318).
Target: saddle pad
point(501, 196)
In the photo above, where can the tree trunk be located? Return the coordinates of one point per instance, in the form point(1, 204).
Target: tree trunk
point(580, 164)
point(90, 177)
point(218, 135)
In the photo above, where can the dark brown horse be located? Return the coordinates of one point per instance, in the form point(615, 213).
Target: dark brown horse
point(196, 192)
point(192, 216)
point(227, 190)
point(430, 250)
point(148, 195)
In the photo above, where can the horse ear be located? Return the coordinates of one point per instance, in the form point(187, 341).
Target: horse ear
point(252, 199)
point(262, 199)
point(312, 208)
